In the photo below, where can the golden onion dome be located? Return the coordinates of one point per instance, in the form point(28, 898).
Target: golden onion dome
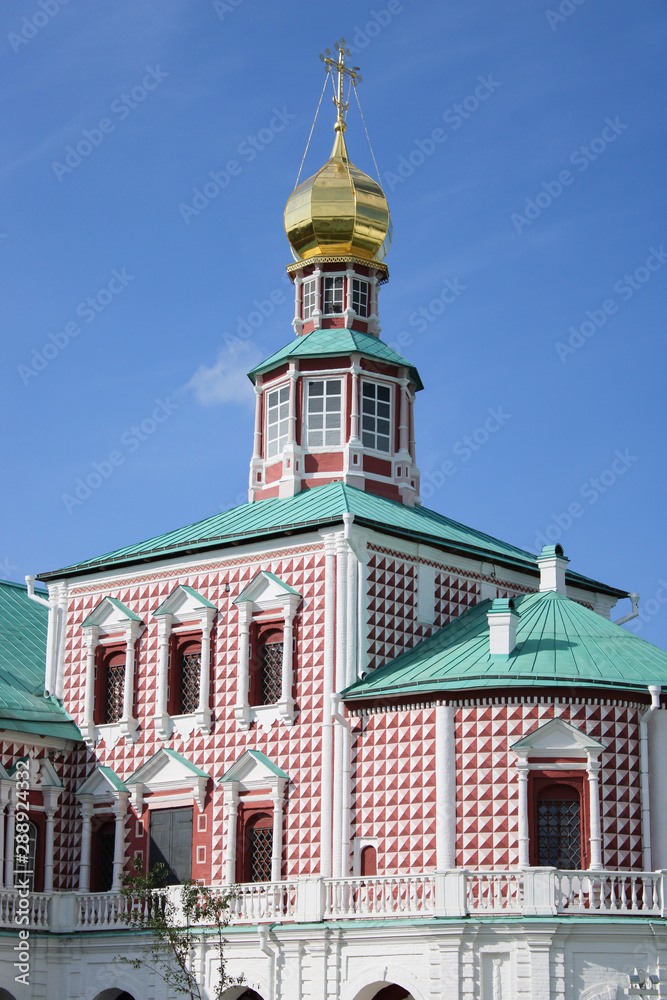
point(339, 211)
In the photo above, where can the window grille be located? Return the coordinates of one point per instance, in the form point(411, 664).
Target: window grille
point(190, 670)
point(272, 671)
point(376, 416)
point(360, 297)
point(309, 297)
point(333, 295)
point(261, 849)
point(324, 407)
point(277, 420)
point(559, 833)
point(115, 690)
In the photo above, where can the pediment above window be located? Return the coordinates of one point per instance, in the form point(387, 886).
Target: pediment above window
point(185, 604)
point(168, 771)
point(267, 592)
point(103, 784)
point(557, 738)
point(254, 770)
point(110, 616)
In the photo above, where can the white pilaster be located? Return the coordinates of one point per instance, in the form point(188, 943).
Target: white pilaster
point(91, 634)
point(242, 707)
point(61, 646)
point(86, 836)
point(522, 767)
point(50, 796)
point(232, 805)
point(162, 721)
point(119, 811)
point(277, 796)
point(445, 788)
point(204, 706)
point(593, 771)
point(9, 839)
point(128, 724)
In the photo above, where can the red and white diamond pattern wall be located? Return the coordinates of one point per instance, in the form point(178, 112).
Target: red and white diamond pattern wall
point(487, 781)
point(295, 750)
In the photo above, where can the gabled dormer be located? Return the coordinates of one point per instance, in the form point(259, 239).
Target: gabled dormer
point(112, 631)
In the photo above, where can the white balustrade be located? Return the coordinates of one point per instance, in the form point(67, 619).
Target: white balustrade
point(495, 892)
point(35, 905)
point(609, 892)
point(380, 896)
point(455, 893)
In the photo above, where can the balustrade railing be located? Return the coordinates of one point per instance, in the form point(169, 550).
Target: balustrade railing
point(456, 893)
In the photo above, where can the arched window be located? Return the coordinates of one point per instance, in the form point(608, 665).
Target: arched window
point(184, 675)
point(559, 826)
point(368, 865)
point(110, 684)
point(266, 665)
point(257, 847)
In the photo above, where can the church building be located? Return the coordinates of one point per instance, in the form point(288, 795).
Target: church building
point(429, 761)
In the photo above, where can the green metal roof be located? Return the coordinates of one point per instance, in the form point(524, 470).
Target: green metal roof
point(23, 707)
point(112, 778)
point(559, 643)
point(314, 509)
point(258, 756)
point(331, 343)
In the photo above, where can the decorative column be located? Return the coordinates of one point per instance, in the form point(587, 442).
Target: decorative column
point(256, 464)
point(524, 840)
point(445, 788)
point(161, 718)
point(119, 811)
point(373, 323)
point(286, 704)
point(354, 408)
point(92, 634)
point(9, 853)
point(297, 322)
point(204, 708)
point(86, 835)
point(232, 804)
point(317, 312)
point(349, 310)
point(128, 724)
point(290, 481)
point(277, 795)
point(593, 771)
point(50, 796)
point(242, 707)
point(60, 642)
point(4, 795)
point(404, 417)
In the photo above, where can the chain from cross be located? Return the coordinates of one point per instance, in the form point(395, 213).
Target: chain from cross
point(338, 65)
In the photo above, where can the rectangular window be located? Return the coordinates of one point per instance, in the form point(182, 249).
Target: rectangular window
point(360, 296)
point(171, 843)
point(333, 295)
point(324, 413)
point(309, 297)
point(277, 420)
point(272, 672)
point(376, 416)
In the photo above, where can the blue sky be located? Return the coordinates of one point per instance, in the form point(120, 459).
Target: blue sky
point(539, 197)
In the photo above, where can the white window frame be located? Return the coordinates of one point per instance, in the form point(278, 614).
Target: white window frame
point(334, 278)
point(279, 388)
point(306, 422)
point(310, 296)
point(361, 288)
point(377, 385)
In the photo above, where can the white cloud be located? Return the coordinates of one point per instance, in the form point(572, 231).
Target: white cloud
point(227, 381)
